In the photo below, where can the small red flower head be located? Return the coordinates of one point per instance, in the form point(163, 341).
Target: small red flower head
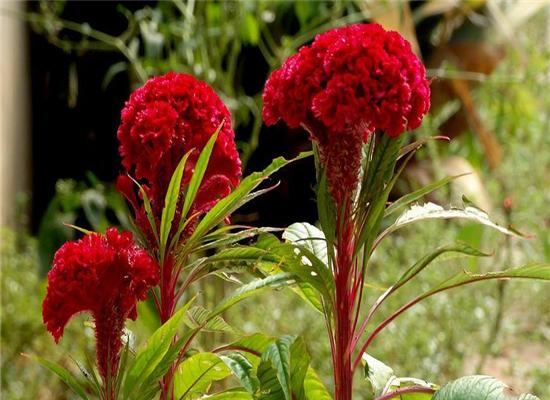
point(348, 83)
point(105, 275)
point(163, 120)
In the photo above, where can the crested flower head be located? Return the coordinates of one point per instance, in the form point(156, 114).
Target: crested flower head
point(348, 83)
point(163, 120)
point(105, 275)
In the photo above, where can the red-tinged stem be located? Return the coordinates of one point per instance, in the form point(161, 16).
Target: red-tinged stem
point(411, 303)
point(167, 304)
point(166, 291)
point(343, 373)
point(410, 389)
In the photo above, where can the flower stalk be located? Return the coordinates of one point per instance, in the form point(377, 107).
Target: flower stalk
point(355, 89)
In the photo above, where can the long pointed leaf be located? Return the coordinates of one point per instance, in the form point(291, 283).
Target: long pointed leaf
point(153, 353)
point(531, 271)
point(171, 202)
point(419, 266)
point(63, 374)
point(433, 211)
point(198, 173)
point(236, 198)
point(252, 288)
point(418, 194)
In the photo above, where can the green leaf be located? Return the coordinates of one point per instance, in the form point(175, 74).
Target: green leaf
point(314, 388)
point(195, 375)
point(420, 265)
point(310, 251)
point(242, 368)
point(171, 202)
point(414, 146)
point(479, 387)
point(309, 236)
point(299, 365)
point(250, 30)
point(326, 209)
point(252, 288)
point(150, 388)
point(255, 344)
point(283, 368)
point(63, 374)
point(433, 211)
point(199, 171)
point(376, 185)
point(418, 194)
point(149, 213)
point(198, 318)
point(226, 239)
point(397, 384)
point(377, 373)
point(231, 394)
point(531, 271)
point(148, 209)
point(238, 197)
point(153, 353)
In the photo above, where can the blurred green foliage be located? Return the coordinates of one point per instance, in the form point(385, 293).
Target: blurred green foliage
point(91, 205)
point(231, 45)
point(438, 340)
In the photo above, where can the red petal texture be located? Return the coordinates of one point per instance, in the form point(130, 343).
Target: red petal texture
point(348, 83)
point(163, 120)
point(105, 275)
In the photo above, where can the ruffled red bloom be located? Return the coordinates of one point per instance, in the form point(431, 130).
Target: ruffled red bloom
point(167, 117)
point(348, 83)
point(105, 275)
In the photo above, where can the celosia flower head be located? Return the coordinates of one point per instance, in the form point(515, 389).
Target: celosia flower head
point(163, 120)
point(348, 83)
point(105, 275)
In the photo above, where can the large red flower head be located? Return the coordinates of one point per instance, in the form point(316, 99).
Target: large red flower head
point(348, 83)
point(163, 120)
point(105, 275)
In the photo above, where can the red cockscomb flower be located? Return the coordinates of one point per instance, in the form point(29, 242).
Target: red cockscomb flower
point(105, 275)
point(163, 120)
point(350, 82)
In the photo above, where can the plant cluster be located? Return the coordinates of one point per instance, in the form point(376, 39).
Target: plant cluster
point(356, 90)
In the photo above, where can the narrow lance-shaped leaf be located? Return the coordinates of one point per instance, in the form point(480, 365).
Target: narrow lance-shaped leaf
point(418, 194)
point(419, 267)
point(250, 289)
point(63, 374)
point(238, 197)
point(199, 171)
point(531, 271)
point(433, 211)
point(148, 209)
point(231, 394)
point(171, 202)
